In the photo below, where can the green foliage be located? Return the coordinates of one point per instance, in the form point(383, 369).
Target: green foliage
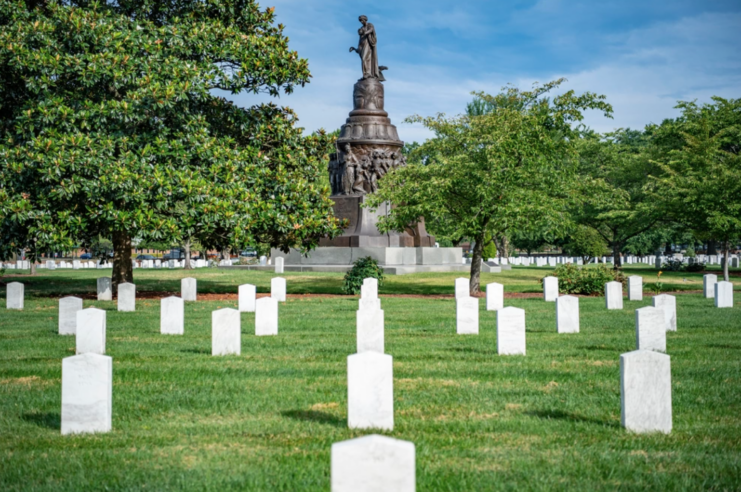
point(690, 252)
point(505, 170)
point(672, 265)
point(588, 281)
point(490, 248)
point(111, 124)
point(362, 268)
point(695, 267)
point(586, 243)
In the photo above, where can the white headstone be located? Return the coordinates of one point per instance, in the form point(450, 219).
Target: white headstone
point(370, 391)
point(494, 296)
point(614, 295)
point(172, 316)
point(511, 331)
point(370, 328)
point(189, 289)
point(104, 289)
point(87, 393)
point(278, 289)
point(724, 295)
point(462, 287)
point(226, 332)
point(708, 285)
point(373, 464)
point(126, 297)
point(369, 289)
point(669, 305)
point(467, 315)
point(567, 314)
point(364, 303)
point(635, 288)
point(266, 316)
point(550, 289)
point(90, 331)
point(279, 263)
point(646, 391)
point(263, 260)
point(247, 298)
point(14, 295)
point(650, 329)
point(68, 308)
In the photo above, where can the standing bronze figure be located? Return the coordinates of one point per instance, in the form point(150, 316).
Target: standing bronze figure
point(367, 50)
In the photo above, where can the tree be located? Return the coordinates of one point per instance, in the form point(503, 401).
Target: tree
point(700, 182)
point(492, 173)
point(613, 171)
point(585, 242)
point(108, 111)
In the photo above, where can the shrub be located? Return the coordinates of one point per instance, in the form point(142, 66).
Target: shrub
point(490, 249)
point(587, 281)
point(362, 268)
point(672, 265)
point(695, 267)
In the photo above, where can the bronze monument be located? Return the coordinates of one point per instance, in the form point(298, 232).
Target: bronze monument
point(368, 147)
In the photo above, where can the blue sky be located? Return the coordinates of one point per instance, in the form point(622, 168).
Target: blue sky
point(643, 55)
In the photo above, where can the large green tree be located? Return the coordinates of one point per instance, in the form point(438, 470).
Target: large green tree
point(502, 170)
point(613, 200)
point(108, 111)
point(700, 181)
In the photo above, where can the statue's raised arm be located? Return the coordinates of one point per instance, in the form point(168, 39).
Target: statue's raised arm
point(367, 50)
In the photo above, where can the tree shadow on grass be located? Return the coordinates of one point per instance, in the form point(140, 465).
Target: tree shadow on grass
point(570, 417)
point(50, 420)
point(197, 351)
point(724, 346)
point(315, 416)
point(605, 348)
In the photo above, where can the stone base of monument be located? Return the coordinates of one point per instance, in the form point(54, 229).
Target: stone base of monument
point(394, 261)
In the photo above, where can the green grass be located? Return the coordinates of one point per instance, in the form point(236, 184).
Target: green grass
point(265, 420)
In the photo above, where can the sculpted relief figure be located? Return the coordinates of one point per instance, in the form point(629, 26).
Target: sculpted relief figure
point(367, 50)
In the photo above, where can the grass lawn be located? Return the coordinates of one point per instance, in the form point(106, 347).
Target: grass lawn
point(265, 420)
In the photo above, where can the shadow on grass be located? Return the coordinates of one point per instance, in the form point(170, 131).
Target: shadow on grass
point(723, 346)
point(570, 417)
point(315, 416)
point(474, 350)
point(197, 351)
point(50, 420)
point(606, 348)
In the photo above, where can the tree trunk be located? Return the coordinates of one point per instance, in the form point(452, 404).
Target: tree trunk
point(616, 259)
point(122, 270)
point(186, 246)
point(32, 257)
point(712, 248)
point(32, 264)
point(668, 248)
point(726, 247)
point(474, 286)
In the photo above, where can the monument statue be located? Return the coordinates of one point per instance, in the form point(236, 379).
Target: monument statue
point(367, 50)
point(368, 147)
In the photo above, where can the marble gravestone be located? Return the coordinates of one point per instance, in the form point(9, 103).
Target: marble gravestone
point(266, 316)
point(567, 314)
point(650, 329)
point(90, 331)
point(511, 331)
point(189, 289)
point(126, 297)
point(550, 289)
point(278, 289)
point(105, 293)
point(494, 296)
point(373, 463)
point(646, 392)
point(14, 295)
point(369, 289)
point(724, 295)
point(370, 391)
point(708, 285)
point(635, 288)
point(172, 316)
point(669, 305)
point(614, 295)
point(279, 265)
point(462, 287)
point(68, 308)
point(226, 332)
point(247, 298)
point(370, 330)
point(467, 315)
point(87, 394)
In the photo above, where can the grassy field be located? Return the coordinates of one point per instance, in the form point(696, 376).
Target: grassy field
point(265, 420)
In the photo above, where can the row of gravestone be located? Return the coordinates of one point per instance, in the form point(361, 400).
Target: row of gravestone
point(645, 374)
